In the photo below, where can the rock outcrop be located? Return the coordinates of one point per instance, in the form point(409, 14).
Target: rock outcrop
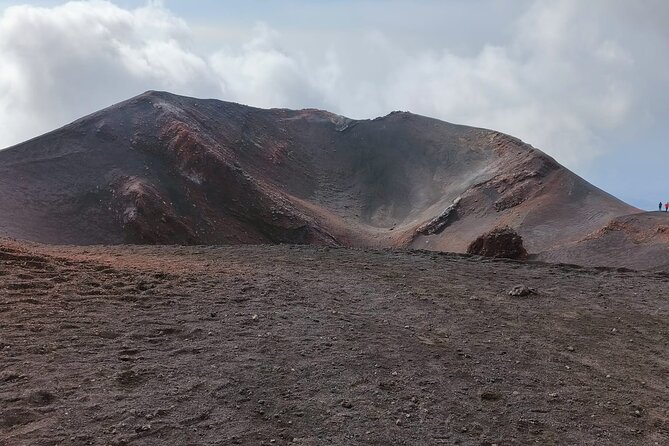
point(500, 242)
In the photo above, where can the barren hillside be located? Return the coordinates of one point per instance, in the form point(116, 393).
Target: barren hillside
point(639, 241)
point(161, 168)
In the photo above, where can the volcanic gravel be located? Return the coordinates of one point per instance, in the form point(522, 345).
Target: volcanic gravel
point(279, 345)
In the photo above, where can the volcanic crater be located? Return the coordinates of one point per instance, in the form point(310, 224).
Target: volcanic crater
point(167, 169)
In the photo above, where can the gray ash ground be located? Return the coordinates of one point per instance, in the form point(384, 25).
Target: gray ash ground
point(305, 346)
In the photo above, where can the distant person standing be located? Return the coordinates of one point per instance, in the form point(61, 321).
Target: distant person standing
point(666, 206)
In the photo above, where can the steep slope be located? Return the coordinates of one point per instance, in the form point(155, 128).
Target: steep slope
point(161, 168)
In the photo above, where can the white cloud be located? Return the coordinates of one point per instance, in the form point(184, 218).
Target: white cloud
point(568, 74)
point(63, 62)
point(263, 75)
point(557, 84)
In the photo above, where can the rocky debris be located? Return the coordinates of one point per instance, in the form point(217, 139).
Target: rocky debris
point(438, 224)
point(491, 396)
point(41, 398)
point(500, 242)
point(522, 291)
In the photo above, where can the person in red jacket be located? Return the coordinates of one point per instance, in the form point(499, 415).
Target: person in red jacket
point(666, 206)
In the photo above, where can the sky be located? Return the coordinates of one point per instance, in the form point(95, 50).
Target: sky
point(585, 81)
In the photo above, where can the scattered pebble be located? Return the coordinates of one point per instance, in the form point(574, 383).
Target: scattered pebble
point(522, 291)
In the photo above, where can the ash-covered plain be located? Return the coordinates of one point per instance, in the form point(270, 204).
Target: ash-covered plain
point(288, 345)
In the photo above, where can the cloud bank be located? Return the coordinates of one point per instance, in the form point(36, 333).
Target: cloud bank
point(568, 76)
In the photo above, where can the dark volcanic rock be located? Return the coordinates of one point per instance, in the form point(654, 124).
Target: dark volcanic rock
point(500, 242)
point(439, 223)
point(522, 291)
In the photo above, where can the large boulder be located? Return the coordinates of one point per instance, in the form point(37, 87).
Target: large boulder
point(500, 242)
